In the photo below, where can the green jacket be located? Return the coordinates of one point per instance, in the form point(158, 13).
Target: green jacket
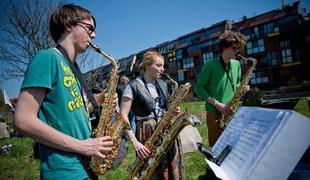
point(213, 81)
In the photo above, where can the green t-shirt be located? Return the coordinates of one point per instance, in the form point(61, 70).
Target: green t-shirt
point(62, 108)
point(213, 81)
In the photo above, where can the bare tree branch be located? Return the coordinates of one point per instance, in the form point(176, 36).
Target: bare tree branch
point(23, 32)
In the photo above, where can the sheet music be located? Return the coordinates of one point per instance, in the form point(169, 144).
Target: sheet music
point(249, 135)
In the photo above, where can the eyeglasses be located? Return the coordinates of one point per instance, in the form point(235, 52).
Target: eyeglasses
point(88, 27)
point(236, 48)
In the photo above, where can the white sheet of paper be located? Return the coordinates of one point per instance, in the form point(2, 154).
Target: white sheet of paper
point(217, 170)
point(260, 138)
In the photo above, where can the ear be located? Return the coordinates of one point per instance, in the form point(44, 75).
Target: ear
point(68, 29)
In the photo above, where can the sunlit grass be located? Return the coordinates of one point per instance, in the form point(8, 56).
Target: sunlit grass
point(19, 163)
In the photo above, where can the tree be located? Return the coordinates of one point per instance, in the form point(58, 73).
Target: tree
point(23, 32)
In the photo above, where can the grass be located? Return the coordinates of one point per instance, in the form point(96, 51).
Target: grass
point(302, 107)
point(19, 162)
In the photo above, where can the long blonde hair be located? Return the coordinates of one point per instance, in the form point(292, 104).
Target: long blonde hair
point(148, 59)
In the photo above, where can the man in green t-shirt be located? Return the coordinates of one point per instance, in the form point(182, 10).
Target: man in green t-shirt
point(218, 81)
point(51, 107)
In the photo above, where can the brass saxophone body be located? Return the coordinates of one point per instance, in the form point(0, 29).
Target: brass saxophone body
point(236, 102)
point(163, 137)
point(105, 126)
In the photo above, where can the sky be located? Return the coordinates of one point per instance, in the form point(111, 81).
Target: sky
point(125, 27)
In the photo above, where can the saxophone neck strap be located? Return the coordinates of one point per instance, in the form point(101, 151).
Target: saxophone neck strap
point(224, 66)
point(78, 74)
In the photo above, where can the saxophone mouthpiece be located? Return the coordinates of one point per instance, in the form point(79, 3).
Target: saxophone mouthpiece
point(94, 47)
point(238, 56)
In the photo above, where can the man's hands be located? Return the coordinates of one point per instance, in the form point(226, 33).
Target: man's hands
point(99, 147)
point(246, 88)
point(219, 106)
point(177, 110)
point(100, 98)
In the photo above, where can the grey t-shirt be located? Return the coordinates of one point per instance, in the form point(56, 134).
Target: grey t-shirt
point(152, 89)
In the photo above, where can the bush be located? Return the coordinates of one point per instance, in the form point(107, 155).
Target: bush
point(253, 98)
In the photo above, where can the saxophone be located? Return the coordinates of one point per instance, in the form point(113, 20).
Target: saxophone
point(236, 102)
point(163, 137)
point(105, 126)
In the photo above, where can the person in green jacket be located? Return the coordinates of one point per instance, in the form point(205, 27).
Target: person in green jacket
point(52, 108)
point(218, 81)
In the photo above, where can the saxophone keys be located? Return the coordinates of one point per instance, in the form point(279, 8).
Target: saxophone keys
point(151, 161)
point(143, 173)
point(166, 138)
point(159, 149)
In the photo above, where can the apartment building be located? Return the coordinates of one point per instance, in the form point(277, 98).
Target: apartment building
point(278, 39)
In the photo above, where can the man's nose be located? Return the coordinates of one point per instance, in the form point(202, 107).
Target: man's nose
point(93, 35)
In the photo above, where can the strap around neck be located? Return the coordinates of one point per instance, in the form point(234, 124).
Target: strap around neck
point(77, 72)
point(224, 66)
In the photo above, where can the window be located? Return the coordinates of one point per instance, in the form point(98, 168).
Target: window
point(214, 43)
point(166, 48)
point(179, 54)
point(256, 32)
point(190, 39)
point(207, 56)
point(246, 33)
point(270, 28)
point(271, 59)
point(171, 56)
point(180, 64)
point(255, 46)
point(286, 56)
point(252, 33)
point(172, 64)
point(287, 20)
point(212, 31)
point(286, 52)
point(284, 44)
point(188, 63)
point(259, 78)
point(181, 76)
point(198, 46)
point(162, 50)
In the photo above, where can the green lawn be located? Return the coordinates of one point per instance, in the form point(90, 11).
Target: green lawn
point(19, 163)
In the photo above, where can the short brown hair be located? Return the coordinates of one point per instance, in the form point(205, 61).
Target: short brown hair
point(148, 59)
point(66, 16)
point(230, 37)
